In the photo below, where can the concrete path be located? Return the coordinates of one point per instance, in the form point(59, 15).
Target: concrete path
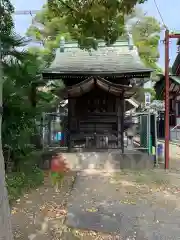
point(98, 204)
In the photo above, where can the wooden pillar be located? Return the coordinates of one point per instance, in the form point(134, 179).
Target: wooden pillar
point(122, 121)
point(118, 109)
point(49, 130)
point(69, 125)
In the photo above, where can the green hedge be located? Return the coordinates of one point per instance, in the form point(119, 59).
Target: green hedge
point(29, 176)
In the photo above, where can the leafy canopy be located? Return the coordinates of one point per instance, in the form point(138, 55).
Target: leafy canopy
point(88, 21)
point(6, 21)
point(146, 36)
point(21, 70)
point(49, 29)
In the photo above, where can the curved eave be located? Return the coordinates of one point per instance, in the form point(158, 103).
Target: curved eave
point(88, 84)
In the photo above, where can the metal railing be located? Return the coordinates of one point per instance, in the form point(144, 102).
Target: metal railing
point(54, 130)
point(145, 137)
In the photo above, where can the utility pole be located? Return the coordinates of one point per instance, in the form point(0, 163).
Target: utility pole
point(167, 133)
point(168, 36)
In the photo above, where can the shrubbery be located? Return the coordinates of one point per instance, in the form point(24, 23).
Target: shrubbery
point(29, 176)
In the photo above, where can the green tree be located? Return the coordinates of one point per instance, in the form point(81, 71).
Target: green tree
point(145, 32)
point(88, 21)
point(49, 27)
point(93, 21)
point(146, 36)
point(18, 70)
point(6, 25)
point(48, 31)
point(6, 9)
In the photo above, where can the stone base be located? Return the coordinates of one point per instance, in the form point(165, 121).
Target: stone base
point(134, 160)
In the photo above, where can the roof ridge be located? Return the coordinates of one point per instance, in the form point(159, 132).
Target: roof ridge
point(101, 44)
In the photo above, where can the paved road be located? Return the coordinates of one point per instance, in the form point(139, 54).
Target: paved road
point(96, 204)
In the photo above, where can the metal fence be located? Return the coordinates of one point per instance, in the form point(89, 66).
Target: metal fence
point(144, 133)
point(54, 130)
point(140, 135)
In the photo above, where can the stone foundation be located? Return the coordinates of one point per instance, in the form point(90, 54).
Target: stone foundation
point(134, 160)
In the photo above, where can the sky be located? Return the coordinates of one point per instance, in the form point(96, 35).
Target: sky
point(168, 9)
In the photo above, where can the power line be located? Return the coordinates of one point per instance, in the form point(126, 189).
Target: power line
point(26, 12)
point(159, 12)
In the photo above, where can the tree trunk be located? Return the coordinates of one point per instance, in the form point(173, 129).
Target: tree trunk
point(5, 216)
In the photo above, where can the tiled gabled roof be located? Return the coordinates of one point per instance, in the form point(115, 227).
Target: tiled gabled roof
point(116, 59)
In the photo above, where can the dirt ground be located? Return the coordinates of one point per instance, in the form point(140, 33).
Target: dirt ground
point(154, 186)
point(41, 213)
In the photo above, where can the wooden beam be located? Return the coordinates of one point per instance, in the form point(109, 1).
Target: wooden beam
point(69, 126)
point(122, 121)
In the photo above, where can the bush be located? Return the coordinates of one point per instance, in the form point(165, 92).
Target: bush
point(29, 176)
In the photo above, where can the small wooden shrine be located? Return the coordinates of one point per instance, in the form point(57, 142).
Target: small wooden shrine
point(96, 86)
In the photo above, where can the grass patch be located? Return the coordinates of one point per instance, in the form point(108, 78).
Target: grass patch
point(29, 176)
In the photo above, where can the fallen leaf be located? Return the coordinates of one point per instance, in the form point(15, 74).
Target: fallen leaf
point(13, 211)
point(91, 209)
point(32, 236)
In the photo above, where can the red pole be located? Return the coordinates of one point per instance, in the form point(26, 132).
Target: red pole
point(167, 131)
